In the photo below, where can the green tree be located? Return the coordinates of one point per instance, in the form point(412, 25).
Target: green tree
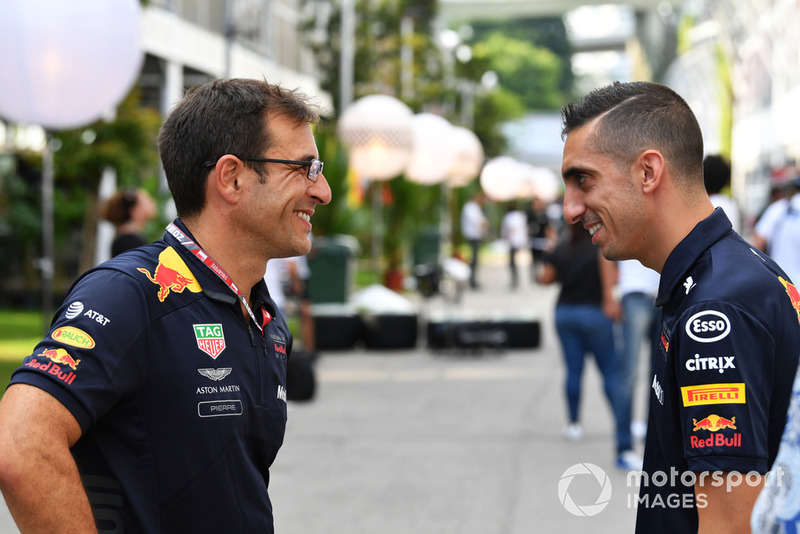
point(530, 72)
point(546, 32)
point(126, 144)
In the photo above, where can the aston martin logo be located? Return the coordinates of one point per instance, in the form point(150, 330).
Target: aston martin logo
point(216, 374)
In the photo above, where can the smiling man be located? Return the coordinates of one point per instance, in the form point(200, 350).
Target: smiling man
point(730, 336)
point(166, 415)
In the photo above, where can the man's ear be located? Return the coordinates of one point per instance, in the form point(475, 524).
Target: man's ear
point(651, 167)
point(226, 178)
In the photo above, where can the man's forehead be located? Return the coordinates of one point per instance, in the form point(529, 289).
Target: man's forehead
point(292, 134)
point(577, 149)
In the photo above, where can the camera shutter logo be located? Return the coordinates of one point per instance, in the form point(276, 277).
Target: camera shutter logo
point(590, 509)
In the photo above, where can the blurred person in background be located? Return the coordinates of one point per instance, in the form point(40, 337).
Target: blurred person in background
point(129, 210)
point(286, 280)
point(540, 233)
point(637, 287)
point(474, 226)
point(716, 177)
point(778, 231)
point(584, 315)
point(514, 231)
point(730, 336)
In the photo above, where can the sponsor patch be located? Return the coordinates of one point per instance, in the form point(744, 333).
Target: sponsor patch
point(794, 295)
point(714, 424)
point(60, 356)
point(216, 374)
point(716, 440)
point(53, 369)
point(69, 335)
point(219, 408)
point(710, 363)
point(689, 284)
point(732, 393)
point(74, 310)
point(663, 346)
point(98, 317)
point(210, 338)
point(708, 326)
point(171, 274)
point(658, 390)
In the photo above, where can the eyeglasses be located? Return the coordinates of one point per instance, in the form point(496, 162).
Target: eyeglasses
point(314, 166)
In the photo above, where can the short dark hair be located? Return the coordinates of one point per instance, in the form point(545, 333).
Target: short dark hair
point(217, 118)
point(636, 116)
point(716, 173)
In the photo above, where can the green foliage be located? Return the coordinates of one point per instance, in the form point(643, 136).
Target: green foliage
point(527, 59)
point(377, 41)
point(408, 208)
point(547, 33)
point(531, 73)
point(126, 144)
point(20, 331)
point(491, 110)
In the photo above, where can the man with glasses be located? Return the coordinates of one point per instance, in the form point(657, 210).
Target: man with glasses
point(157, 400)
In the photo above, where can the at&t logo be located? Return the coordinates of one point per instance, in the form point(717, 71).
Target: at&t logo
point(589, 509)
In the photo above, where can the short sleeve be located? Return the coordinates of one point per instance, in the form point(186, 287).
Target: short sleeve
point(724, 366)
point(93, 354)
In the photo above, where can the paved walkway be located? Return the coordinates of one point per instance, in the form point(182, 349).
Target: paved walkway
point(419, 442)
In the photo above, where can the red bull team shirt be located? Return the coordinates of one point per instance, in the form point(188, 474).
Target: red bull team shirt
point(722, 379)
point(181, 401)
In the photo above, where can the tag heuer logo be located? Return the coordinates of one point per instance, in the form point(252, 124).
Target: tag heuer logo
point(210, 338)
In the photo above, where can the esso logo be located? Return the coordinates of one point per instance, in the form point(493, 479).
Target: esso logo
point(708, 326)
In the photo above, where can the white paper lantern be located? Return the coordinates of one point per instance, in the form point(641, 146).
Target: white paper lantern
point(501, 178)
point(468, 159)
point(377, 130)
point(527, 187)
point(67, 64)
point(546, 184)
point(433, 153)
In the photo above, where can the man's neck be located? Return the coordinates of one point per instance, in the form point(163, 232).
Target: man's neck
point(223, 247)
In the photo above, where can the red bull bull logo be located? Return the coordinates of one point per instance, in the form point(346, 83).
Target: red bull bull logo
point(171, 274)
point(714, 423)
point(59, 359)
point(794, 295)
point(61, 356)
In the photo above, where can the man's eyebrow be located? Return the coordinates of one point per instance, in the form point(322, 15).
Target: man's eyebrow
point(570, 172)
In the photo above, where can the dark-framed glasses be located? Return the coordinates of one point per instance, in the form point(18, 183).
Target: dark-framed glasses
point(314, 165)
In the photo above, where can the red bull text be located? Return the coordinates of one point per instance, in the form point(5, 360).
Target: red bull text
point(57, 356)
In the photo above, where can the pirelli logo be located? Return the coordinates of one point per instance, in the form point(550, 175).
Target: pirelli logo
point(732, 393)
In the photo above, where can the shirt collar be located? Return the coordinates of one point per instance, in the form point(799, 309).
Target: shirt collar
point(685, 255)
point(212, 286)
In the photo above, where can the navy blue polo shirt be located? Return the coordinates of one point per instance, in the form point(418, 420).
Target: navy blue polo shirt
point(722, 380)
point(181, 401)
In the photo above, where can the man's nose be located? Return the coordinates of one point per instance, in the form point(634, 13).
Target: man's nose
point(573, 207)
point(321, 190)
